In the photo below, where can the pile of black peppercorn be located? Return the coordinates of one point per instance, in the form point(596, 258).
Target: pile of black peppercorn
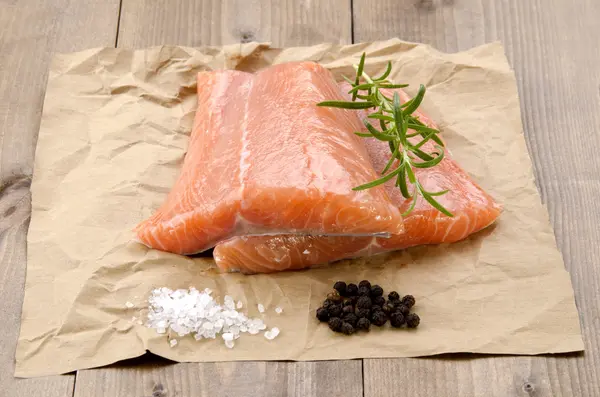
point(350, 308)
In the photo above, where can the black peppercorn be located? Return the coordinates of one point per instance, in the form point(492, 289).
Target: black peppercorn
point(388, 308)
point(364, 283)
point(347, 328)
point(393, 296)
point(348, 309)
point(397, 320)
point(361, 313)
point(364, 302)
point(351, 289)
point(322, 314)
point(350, 319)
point(335, 324)
point(335, 310)
point(354, 299)
point(364, 291)
point(348, 303)
point(334, 296)
point(376, 308)
point(378, 300)
point(376, 290)
point(408, 301)
point(340, 287)
point(327, 303)
point(402, 309)
point(363, 323)
point(378, 318)
point(412, 320)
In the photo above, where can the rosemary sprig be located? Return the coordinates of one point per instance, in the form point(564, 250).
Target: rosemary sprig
point(395, 122)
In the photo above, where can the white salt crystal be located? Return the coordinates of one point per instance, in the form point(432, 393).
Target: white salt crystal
point(129, 305)
point(278, 310)
point(133, 319)
point(272, 334)
point(306, 252)
point(239, 305)
point(229, 302)
point(197, 313)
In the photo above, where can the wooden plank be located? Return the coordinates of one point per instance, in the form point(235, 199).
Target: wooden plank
point(216, 22)
point(31, 31)
point(160, 379)
point(551, 45)
point(195, 23)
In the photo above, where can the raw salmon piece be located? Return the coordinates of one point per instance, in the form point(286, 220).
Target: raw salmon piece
point(264, 159)
point(201, 208)
point(309, 157)
point(472, 207)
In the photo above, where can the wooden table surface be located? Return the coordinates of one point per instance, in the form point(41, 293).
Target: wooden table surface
point(551, 44)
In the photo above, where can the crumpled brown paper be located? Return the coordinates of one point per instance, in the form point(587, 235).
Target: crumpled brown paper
point(113, 135)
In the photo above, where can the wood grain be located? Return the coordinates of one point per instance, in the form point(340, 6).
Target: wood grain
point(216, 22)
point(551, 45)
point(31, 31)
point(196, 23)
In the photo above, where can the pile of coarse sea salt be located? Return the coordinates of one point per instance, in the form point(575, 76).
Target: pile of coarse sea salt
point(193, 312)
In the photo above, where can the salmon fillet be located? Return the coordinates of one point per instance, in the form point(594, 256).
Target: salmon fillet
point(472, 207)
point(264, 159)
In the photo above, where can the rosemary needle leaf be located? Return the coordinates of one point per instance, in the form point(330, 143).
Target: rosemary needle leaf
point(393, 85)
point(390, 161)
point(437, 140)
point(363, 135)
point(436, 205)
point(426, 139)
point(411, 176)
point(398, 119)
point(412, 206)
point(422, 155)
point(385, 74)
point(380, 117)
point(421, 128)
point(415, 102)
point(380, 180)
point(347, 79)
point(402, 184)
point(395, 148)
point(382, 125)
point(413, 135)
point(387, 98)
point(440, 193)
point(377, 134)
point(360, 87)
point(346, 105)
point(430, 163)
point(359, 72)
